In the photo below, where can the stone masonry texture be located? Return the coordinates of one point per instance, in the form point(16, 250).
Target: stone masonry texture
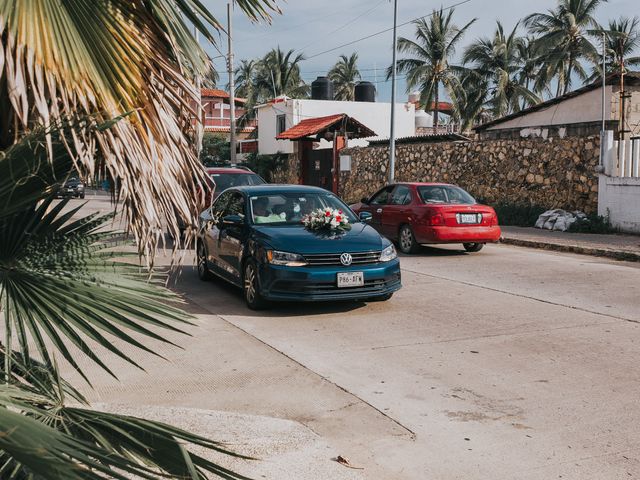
point(551, 173)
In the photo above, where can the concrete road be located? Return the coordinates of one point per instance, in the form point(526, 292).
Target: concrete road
point(506, 364)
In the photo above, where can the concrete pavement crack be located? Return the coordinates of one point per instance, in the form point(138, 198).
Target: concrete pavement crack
point(548, 302)
point(411, 433)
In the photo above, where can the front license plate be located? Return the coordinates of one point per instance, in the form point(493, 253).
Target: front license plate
point(350, 279)
point(468, 218)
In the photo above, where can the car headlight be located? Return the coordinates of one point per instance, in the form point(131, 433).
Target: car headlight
point(388, 254)
point(275, 257)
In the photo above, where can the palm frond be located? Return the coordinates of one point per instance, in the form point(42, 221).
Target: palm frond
point(99, 57)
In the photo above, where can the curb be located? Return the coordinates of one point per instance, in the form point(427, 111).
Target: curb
point(558, 247)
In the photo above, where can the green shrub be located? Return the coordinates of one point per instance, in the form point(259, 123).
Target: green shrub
point(593, 223)
point(519, 215)
point(266, 165)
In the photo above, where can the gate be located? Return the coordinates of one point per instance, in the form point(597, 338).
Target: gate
point(317, 171)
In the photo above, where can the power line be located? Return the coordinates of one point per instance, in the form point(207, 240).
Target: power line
point(346, 24)
point(383, 31)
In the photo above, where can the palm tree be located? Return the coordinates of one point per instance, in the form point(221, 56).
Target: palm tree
point(279, 74)
point(245, 78)
point(497, 63)
point(563, 33)
point(344, 75)
point(117, 77)
point(622, 40)
point(427, 67)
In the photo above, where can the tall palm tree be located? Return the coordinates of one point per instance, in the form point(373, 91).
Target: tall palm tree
point(497, 62)
point(427, 66)
point(563, 33)
point(245, 78)
point(279, 74)
point(344, 76)
point(622, 41)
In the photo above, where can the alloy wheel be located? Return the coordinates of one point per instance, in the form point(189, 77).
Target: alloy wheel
point(250, 283)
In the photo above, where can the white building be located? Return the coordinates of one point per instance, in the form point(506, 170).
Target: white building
point(283, 113)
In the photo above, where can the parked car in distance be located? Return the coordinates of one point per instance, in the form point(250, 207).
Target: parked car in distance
point(73, 187)
point(253, 237)
point(218, 179)
point(412, 214)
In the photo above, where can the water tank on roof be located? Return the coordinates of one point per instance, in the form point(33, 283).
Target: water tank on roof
point(414, 97)
point(365, 92)
point(322, 89)
point(423, 119)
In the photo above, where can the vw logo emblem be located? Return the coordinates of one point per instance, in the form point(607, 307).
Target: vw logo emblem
point(346, 259)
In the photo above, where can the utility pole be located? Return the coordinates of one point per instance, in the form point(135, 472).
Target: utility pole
point(604, 99)
point(232, 89)
point(604, 79)
point(392, 133)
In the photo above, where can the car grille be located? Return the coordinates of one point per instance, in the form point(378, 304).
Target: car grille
point(321, 289)
point(360, 258)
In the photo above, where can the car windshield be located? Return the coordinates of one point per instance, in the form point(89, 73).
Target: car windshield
point(288, 208)
point(445, 194)
point(228, 180)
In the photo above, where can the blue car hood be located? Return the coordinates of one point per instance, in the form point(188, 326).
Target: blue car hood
point(297, 239)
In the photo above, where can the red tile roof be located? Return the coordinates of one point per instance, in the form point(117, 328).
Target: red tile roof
point(313, 126)
point(215, 93)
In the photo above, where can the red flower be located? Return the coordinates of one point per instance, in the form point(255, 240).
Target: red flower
point(340, 212)
point(327, 213)
point(338, 218)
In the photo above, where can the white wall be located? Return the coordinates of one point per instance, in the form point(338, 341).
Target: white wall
point(267, 114)
point(583, 108)
point(619, 198)
point(376, 116)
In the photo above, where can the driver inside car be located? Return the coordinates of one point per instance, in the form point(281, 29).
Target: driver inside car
point(261, 212)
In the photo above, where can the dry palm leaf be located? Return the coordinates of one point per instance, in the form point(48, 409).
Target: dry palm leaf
point(69, 58)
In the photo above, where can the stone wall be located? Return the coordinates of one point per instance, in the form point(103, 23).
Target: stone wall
point(552, 173)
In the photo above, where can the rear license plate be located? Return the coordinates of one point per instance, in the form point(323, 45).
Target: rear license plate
point(469, 218)
point(350, 279)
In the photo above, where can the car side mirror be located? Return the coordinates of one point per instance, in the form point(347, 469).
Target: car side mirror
point(364, 200)
point(232, 221)
point(365, 217)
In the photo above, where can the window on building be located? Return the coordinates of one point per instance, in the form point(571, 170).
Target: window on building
point(281, 124)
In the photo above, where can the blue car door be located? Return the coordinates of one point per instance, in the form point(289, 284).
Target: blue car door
point(212, 231)
point(230, 239)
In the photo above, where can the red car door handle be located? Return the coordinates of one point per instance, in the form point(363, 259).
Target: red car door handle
point(379, 210)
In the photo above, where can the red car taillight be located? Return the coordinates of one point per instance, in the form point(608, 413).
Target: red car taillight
point(435, 220)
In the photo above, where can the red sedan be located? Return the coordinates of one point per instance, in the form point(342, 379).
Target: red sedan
point(428, 213)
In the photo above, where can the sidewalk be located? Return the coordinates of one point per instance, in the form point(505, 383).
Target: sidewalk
point(617, 246)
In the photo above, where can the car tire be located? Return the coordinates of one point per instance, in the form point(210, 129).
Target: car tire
point(473, 247)
point(251, 287)
point(407, 241)
point(82, 195)
point(204, 273)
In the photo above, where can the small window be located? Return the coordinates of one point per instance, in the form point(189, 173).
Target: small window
point(383, 196)
point(236, 205)
point(219, 206)
point(401, 195)
point(281, 124)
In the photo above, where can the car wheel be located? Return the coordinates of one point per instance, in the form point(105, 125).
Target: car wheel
point(203, 270)
point(473, 247)
point(82, 195)
point(407, 241)
point(251, 287)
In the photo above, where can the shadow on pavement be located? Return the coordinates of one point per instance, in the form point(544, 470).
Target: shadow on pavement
point(219, 297)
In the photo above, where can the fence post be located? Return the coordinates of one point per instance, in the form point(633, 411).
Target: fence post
point(635, 157)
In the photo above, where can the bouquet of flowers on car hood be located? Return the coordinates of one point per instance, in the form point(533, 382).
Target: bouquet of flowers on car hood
point(326, 219)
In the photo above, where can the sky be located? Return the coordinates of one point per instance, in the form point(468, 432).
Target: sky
point(314, 27)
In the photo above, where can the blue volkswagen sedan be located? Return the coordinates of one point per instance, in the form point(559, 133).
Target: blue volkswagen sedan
point(253, 237)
